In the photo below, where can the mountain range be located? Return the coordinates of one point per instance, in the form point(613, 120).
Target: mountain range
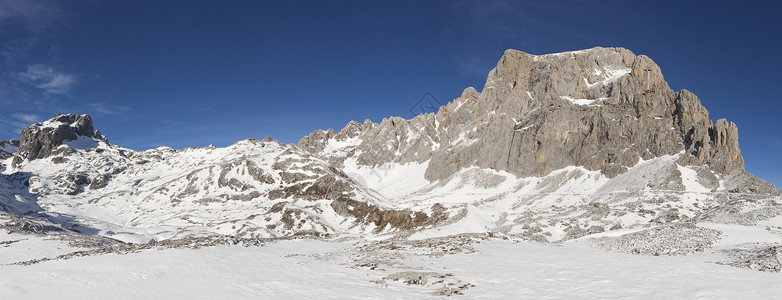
point(589, 144)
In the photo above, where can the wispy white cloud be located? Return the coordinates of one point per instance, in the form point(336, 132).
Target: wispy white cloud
point(29, 86)
point(34, 15)
point(106, 108)
point(29, 118)
point(48, 79)
point(14, 124)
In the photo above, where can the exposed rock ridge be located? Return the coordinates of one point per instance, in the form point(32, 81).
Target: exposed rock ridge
point(42, 140)
point(601, 108)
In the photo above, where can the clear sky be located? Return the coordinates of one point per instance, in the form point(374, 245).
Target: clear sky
point(194, 73)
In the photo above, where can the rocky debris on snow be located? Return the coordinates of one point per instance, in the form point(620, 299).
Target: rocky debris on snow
point(415, 278)
point(754, 256)
point(42, 227)
point(747, 185)
point(744, 211)
point(391, 257)
point(448, 291)
point(432, 247)
point(428, 279)
point(188, 242)
point(383, 218)
point(13, 223)
point(674, 239)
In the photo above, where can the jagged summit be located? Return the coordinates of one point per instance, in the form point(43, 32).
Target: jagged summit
point(43, 139)
point(603, 109)
point(80, 124)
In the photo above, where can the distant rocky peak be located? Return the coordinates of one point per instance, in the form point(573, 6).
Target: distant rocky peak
point(78, 124)
point(41, 140)
point(317, 140)
point(470, 93)
point(353, 129)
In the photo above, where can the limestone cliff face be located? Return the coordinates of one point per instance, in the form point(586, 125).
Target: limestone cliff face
point(601, 108)
point(316, 140)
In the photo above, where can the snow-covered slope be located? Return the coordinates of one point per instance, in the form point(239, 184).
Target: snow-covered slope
point(251, 188)
point(317, 269)
point(566, 204)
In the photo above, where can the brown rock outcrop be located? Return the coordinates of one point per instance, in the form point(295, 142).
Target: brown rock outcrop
point(42, 140)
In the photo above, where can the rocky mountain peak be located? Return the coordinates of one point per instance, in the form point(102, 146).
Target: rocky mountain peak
point(41, 140)
point(594, 74)
point(601, 108)
point(604, 109)
point(316, 141)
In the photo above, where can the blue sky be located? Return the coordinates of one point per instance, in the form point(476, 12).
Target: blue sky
point(194, 73)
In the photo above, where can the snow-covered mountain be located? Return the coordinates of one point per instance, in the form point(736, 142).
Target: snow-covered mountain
point(587, 146)
point(555, 147)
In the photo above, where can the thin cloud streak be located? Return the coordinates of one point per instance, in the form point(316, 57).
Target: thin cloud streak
point(106, 109)
point(14, 125)
point(34, 15)
point(29, 118)
point(48, 79)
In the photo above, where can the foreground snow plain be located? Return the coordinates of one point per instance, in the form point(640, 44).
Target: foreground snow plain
point(466, 258)
point(306, 268)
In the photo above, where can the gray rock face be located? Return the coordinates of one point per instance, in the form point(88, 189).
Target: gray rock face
point(316, 140)
point(42, 140)
point(100, 181)
point(601, 108)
